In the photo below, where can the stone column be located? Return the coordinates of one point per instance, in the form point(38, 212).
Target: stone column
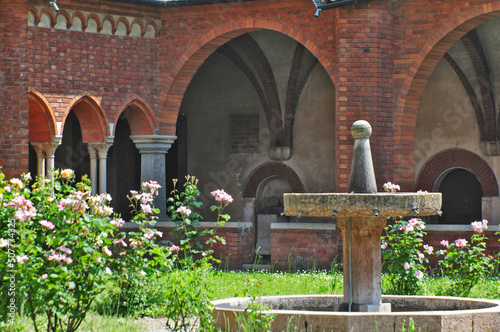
point(102, 151)
point(50, 150)
point(40, 159)
point(99, 150)
point(153, 149)
point(361, 254)
point(93, 166)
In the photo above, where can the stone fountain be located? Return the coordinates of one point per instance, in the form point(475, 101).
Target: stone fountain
point(361, 215)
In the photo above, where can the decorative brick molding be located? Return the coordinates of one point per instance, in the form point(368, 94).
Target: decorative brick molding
point(44, 17)
point(272, 169)
point(458, 158)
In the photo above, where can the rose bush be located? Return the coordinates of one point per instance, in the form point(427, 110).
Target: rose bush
point(465, 262)
point(57, 232)
point(62, 246)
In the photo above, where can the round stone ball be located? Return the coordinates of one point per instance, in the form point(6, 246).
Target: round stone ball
point(361, 129)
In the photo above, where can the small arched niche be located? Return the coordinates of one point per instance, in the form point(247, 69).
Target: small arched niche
point(462, 197)
point(269, 196)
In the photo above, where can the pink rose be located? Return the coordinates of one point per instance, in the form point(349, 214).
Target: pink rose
point(461, 243)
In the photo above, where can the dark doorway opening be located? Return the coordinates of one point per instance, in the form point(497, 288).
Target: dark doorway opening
point(124, 169)
point(176, 158)
point(462, 194)
point(73, 153)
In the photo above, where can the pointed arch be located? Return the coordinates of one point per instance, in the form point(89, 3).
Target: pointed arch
point(139, 116)
point(416, 78)
point(94, 125)
point(187, 65)
point(42, 122)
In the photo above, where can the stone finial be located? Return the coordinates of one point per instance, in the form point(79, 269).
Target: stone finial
point(361, 129)
point(362, 178)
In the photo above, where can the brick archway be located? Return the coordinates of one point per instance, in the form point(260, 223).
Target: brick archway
point(272, 169)
point(189, 62)
point(139, 116)
point(458, 158)
point(94, 125)
point(416, 78)
point(42, 123)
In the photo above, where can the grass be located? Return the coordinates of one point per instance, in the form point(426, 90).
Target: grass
point(92, 323)
point(235, 284)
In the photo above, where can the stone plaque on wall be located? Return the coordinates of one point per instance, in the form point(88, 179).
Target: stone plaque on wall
point(244, 132)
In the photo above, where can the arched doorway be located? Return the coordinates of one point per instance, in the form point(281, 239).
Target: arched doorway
point(73, 153)
point(268, 207)
point(124, 168)
point(462, 193)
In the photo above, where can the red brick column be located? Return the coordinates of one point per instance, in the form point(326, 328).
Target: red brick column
point(365, 56)
point(14, 81)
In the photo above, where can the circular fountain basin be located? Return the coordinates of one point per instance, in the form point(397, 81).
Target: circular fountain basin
point(362, 205)
point(316, 313)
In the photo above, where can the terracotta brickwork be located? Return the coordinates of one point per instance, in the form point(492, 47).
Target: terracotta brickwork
point(379, 56)
point(14, 66)
point(433, 238)
point(236, 251)
point(458, 158)
point(319, 247)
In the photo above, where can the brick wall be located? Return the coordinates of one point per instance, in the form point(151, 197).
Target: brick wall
point(66, 64)
point(379, 55)
point(433, 238)
point(14, 81)
point(237, 250)
point(318, 246)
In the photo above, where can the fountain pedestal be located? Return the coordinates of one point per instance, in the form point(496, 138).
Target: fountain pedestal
point(362, 264)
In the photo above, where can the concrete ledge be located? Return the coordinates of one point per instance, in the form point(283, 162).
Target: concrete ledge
point(300, 225)
point(205, 224)
point(458, 228)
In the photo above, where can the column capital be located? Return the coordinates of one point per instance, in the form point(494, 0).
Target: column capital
point(49, 147)
point(38, 147)
point(153, 144)
point(100, 147)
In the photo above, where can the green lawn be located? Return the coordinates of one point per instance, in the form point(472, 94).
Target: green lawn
point(234, 284)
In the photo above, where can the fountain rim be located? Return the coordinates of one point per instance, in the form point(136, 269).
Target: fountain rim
point(392, 204)
point(225, 305)
point(381, 194)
